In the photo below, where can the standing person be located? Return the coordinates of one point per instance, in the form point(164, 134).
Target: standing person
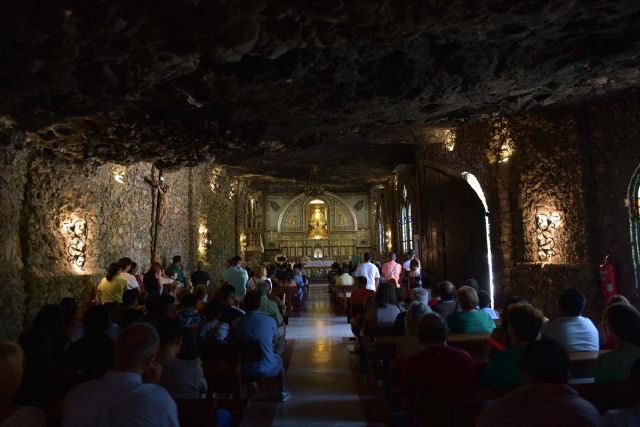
point(368, 270)
point(11, 370)
point(406, 265)
point(199, 277)
point(125, 273)
point(121, 398)
point(258, 328)
point(413, 278)
point(391, 269)
point(236, 276)
point(112, 287)
point(175, 268)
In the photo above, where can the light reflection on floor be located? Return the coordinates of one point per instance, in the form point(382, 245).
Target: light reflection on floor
point(323, 387)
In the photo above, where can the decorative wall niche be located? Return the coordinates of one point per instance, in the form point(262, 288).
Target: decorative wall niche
point(547, 225)
point(449, 139)
point(501, 146)
point(75, 230)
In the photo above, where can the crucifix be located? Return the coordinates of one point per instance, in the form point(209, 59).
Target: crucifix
point(159, 190)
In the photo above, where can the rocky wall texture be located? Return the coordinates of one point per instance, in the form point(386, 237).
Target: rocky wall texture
point(531, 169)
point(217, 194)
point(12, 286)
point(612, 137)
point(43, 197)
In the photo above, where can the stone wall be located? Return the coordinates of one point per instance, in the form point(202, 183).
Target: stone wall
point(612, 138)
point(12, 285)
point(41, 195)
point(543, 171)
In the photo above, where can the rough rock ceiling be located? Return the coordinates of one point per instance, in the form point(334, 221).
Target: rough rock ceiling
point(271, 85)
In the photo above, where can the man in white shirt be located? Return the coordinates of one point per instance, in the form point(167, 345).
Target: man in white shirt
point(120, 398)
point(125, 265)
point(369, 271)
point(570, 329)
point(406, 266)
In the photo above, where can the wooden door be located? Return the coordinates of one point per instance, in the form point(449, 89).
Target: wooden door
point(452, 219)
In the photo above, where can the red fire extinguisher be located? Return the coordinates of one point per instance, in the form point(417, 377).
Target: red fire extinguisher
point(608, 280)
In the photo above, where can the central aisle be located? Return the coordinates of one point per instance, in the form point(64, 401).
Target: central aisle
point(323, 386)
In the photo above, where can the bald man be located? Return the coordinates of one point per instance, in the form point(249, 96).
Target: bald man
point(121, 398)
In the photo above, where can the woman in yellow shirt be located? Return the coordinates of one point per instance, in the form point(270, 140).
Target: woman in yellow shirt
point(112, 287)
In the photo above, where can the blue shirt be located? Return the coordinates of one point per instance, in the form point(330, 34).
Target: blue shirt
point(261, 329)
point(119, 399)
point(237, 277)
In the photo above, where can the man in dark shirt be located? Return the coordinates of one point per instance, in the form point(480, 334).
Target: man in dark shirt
point(199, 277)
point(447, 304)
point(438, 367)
point(226, 295)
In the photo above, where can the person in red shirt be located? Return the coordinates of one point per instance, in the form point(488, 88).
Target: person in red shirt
point(438, 367)
point(358, 301)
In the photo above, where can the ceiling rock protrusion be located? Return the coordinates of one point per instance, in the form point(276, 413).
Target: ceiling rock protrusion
point(267, 85)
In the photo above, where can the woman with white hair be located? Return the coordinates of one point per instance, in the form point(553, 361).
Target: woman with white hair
point(410, 344)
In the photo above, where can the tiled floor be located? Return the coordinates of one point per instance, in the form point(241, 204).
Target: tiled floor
point(324, 390)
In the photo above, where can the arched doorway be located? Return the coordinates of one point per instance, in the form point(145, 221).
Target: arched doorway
point(453, 220)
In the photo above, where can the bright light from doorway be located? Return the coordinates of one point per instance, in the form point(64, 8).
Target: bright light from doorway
point(475, 185)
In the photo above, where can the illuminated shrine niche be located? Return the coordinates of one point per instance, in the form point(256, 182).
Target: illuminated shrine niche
point(318, 214)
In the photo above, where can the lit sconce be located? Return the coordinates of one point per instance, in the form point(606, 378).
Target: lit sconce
point(233, 188)
point(76, 232)
point(388, 236)
point(214, 179)
point(243, 243)
point(502, 146)
point(450, 139)
point(547, 225)
point(119, 172)
point(203, 240)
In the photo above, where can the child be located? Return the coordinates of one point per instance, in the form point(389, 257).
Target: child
point(485, 304)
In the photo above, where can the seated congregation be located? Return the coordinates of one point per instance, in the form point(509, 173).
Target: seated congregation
point(161, 349)
point(445, 357)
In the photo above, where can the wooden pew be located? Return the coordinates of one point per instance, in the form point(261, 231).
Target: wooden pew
point(475, 344)
point(196, 413)
point(221, 366)
point(453, 408)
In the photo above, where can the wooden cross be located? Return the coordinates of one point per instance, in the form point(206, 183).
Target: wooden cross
point(156, 202)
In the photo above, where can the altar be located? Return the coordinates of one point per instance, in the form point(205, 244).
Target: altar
point(319, 263)
point(318, 268)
